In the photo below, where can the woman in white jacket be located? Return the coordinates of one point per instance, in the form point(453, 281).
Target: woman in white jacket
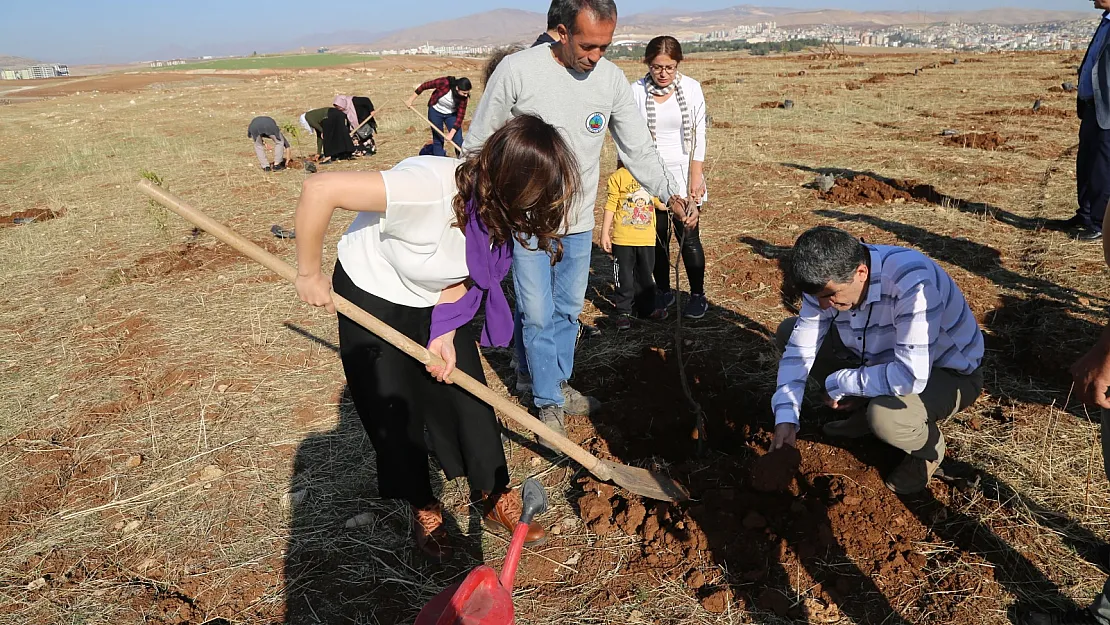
point(673, 106)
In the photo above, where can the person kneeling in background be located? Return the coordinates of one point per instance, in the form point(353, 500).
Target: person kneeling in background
point(891, 339)
point(628, 233)
point(265, 127)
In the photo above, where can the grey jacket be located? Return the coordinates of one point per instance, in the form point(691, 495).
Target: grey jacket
point(1101, 83)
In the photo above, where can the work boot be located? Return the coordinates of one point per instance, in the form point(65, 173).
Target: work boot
point(576, 403)
point(913, 474)
point(554, 418)
point(855, 426)
point(430, 534)
point(501, 512)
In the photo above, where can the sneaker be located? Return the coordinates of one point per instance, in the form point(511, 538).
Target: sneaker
point(1074, 616)
point(1087, 234)
point(501, 512)
point(659, 314)
point(624, 321)
point(855, 426)
point(267, 168)
point(664, 299)
point(554, 418)
point(278, 166)
point(696, 307)
point(576, 403)
point(430, 534)
point(912, 475)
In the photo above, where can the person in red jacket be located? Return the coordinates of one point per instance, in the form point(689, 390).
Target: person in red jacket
point(446, 109)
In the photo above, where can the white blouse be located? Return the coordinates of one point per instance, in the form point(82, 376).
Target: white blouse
point(668, 126)
point(411, 252)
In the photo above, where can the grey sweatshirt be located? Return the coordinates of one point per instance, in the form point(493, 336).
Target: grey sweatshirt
point(581, 107)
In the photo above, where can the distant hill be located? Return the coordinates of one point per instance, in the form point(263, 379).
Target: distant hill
point(496, 27)
point(16, 62)
point(503, 26)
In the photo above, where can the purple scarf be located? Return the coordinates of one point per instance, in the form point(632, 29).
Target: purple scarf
point(488, 265)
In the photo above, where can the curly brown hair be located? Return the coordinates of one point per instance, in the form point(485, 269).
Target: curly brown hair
point(524, 179)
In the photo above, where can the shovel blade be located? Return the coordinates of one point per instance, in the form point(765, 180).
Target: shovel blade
point(646, 483)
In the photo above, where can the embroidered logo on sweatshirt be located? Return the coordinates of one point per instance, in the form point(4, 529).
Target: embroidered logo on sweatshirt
point(595, 123)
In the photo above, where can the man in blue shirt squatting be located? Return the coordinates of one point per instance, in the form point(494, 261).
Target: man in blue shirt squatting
point(890, 338)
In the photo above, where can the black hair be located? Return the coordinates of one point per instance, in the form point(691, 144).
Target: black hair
point(553, 17)
point(459, 84)
point(825, 254)
point(568, 10)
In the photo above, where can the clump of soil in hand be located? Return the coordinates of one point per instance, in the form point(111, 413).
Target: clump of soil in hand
point(775, 470)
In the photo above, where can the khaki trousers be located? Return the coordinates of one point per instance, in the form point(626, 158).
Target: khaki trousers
point(908, 422)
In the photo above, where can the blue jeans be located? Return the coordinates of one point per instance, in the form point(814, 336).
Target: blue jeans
point(444, 123)
point(548, 302)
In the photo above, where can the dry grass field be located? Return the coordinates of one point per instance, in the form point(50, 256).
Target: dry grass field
point(178, 447)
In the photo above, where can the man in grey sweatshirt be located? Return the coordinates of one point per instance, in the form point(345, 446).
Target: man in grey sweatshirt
point(571, 86)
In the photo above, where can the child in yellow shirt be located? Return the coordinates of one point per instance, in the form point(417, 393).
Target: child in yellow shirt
point(628, 233)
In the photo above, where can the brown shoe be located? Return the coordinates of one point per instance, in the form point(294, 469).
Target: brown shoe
point(912, 475)
point(430, 534)
point(502, 513)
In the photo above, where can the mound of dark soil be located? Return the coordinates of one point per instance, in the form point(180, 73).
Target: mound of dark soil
point(31, 215)
point(863, 190)
point(978, 140)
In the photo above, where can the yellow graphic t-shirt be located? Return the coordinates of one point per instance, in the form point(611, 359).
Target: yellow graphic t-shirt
point(634, 211)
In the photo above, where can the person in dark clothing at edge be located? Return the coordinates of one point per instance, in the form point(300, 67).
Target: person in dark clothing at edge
point(1092, 161)
point(553, 20)
point(446, 109)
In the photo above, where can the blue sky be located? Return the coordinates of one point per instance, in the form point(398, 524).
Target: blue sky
point(78, 31)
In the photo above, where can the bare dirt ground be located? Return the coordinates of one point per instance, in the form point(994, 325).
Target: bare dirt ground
point(178, 445)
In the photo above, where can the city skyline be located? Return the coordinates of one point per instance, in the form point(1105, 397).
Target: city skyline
point(118, 31)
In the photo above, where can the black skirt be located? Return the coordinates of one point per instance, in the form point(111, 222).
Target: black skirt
point(396, 399)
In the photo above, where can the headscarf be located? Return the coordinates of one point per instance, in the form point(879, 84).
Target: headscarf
point(488, 265)
point(346, 104)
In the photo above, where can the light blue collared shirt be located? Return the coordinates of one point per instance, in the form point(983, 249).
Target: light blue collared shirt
point(915, 318)
point(1086, 73)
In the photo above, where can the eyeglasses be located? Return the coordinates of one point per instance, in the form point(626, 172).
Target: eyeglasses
point(664, 69)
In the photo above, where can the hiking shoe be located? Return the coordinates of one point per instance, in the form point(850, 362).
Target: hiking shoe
point(855, 426)
point(696, 307)
point(430, 534)
point(912, 475)
point(659, 314)
point(502, 511)
point(624, 321)
point(554, 418)
point(664, 299)
point(1074, 616)
point(576, 403)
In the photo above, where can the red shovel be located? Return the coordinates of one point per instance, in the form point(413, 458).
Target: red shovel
point(483, 598)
